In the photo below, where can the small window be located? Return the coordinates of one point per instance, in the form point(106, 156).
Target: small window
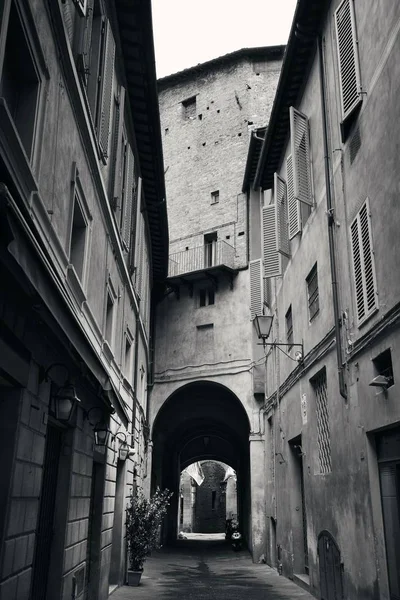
point(109, 318)
point(289, 326)
point(80, 230)
point(128, 359)
point(19, 84)
point(78, 240)
point(313, 292)
point(206, 297)
point(189, 108)
point(215, 197)
point(383, 366)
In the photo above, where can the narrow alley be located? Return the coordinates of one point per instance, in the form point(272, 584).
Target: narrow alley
point(205, 567)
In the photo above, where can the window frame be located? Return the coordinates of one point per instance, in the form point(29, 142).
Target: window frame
point(110, 293)
point(313, 296)
point(289, 327)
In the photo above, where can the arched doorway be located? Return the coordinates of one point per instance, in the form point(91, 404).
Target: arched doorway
point(201, 421)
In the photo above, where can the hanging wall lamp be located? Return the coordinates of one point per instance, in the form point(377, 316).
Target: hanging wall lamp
point(263, 326)
point(64, 401)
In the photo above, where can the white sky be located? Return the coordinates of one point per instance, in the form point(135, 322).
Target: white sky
point(187, 33)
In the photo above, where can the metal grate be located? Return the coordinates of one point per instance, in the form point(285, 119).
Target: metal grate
point(324, 438)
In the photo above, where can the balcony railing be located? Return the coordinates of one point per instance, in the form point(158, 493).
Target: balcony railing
point(214, 254)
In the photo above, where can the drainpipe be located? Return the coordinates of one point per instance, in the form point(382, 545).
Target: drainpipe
point(331, 224)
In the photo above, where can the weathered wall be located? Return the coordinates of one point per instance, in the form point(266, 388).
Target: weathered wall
point(346, 499)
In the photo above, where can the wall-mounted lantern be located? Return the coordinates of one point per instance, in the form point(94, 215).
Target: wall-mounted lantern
point(124, 449)
point(263, 326)
point(64, 401)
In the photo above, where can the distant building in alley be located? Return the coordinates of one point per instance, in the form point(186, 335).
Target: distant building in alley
point(203, 405)
point(324, 184)
point(83, 250)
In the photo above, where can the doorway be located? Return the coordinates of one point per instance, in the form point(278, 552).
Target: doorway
point(388, 452)
point(210, 249)
point(330, 567)
point(44, 534)
point(299, 510)
point(117, 567)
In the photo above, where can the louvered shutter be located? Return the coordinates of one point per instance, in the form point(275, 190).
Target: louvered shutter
point(68, 16)
point(256, 286)
point(136, 212)
point(272, 258)
point(127, 207)
point(281, 215)
point(363, 264)
point(349, 70)
point(294, 216)
point(106, 91)
point(139, 259)
point(300, 149)
point(84, 52)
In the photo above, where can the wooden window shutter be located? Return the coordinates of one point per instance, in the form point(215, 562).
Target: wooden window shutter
point(136, 212)
point(139, 260)
point(300, 149)
point(256, 288)
point(116, 165)
point(272, 258)
point(127, 207)
point(85, 43)
point(106, 91)
point(281, 214)
point(349, 69)
point(294, 216)
point(68, 16)
point(363, 264)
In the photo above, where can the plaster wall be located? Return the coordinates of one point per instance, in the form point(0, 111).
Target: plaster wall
point(345, 501)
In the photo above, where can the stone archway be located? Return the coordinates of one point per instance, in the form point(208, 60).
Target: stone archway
point(201, 421)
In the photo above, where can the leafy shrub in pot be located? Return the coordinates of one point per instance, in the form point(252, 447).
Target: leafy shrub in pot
point(143, 522)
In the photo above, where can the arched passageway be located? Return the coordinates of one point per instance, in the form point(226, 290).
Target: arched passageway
point(201, 421)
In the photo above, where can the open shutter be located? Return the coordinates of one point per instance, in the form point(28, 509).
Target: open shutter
point(363, 264)
point(294, 217)
point(85, 43)
point(300, 149)
point(68, 16)
point(136, 206)
point(127, 208)
point(116, 165)
point(139, 259)
point(256, 285)
point(349, 69)
point(281, 215)
point(272, 258)
point(106, 91)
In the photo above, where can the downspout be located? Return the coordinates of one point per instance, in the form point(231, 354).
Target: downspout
point(331, 224)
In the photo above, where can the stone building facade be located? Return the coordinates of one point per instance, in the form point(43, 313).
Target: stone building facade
point(324, 184)
point(202, 404)
point(83, 247)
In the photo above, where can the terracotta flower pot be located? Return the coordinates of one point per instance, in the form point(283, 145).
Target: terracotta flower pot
point(134, 577)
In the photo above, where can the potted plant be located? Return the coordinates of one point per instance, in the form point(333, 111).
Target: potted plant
point(143, 522)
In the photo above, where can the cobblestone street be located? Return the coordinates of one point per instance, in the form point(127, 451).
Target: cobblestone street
point(204, 569)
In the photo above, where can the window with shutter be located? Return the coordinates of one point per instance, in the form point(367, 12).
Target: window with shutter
point(294, 217)
point(84, 42)
point(300, 149)
point(256, 288)
point(127, 198)
point(267, 292)
point(106, 92)
point(349, 70)
point(116, 163)
point(272, 258)
point(363, 264)
point(281, 215)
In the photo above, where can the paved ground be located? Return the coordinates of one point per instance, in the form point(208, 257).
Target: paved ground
point(204, 569)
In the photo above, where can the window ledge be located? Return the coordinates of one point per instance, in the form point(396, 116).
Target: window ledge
point(75, 285)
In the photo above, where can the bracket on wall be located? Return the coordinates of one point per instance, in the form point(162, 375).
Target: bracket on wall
point(213, 280)
point(188, 284)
